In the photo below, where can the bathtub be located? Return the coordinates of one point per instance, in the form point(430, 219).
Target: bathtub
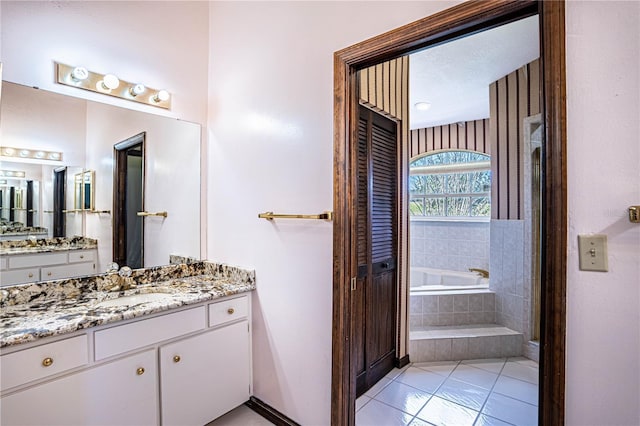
point(428, 279)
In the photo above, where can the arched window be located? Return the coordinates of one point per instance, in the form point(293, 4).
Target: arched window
point(450, 184)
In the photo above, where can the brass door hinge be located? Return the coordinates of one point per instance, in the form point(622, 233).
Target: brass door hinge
point(353, 284)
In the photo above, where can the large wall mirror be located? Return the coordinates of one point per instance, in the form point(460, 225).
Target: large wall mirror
point(86, 133)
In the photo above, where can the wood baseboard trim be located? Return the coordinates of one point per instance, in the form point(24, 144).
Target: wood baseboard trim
point(269, 413)
point(401, 362)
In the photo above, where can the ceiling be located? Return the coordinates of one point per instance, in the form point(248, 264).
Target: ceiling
point(455, 77)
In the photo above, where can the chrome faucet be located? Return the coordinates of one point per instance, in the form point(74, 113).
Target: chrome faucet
point(485, 274)
point(122, 281)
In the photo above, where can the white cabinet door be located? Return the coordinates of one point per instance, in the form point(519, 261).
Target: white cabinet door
point(210, 377)
point(111, 394)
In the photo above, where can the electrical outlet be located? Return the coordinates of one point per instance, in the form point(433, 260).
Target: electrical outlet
point(593, 252)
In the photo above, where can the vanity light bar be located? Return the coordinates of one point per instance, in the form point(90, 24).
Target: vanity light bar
point(32, 154)
point(12, 174)
point(109, 84)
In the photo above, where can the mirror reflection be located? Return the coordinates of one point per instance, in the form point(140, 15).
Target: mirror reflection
point(73, 197)
point(83, 190)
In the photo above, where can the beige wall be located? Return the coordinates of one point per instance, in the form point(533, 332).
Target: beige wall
point(511, 99)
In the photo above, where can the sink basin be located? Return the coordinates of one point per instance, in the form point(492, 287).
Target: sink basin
point(134, 299)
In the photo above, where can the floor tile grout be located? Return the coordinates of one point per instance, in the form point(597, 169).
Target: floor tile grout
point(446, 378)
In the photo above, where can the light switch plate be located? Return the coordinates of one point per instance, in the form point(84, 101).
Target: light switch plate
point(593, 252)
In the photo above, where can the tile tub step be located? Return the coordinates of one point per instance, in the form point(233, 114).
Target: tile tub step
point(451, 343)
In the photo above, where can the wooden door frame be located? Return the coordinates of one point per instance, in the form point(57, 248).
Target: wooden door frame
point(119, 251)
point(458, 21)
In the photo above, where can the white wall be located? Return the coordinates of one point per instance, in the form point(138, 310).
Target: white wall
point(271, 120)
point(603, 106)
point(162, 44)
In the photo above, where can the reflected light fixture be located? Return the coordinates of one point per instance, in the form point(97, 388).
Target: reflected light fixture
point(422, 106)
point(110, 84)
point(12, 173)
point(31, 154)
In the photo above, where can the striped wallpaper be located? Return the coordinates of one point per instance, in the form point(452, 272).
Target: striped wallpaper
point(512, 98)
point(469, 135)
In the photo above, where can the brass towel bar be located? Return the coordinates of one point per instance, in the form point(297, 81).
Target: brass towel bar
point(163, 214)
point(328, 215)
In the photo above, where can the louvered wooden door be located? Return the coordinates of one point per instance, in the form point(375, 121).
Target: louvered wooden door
point(375, 296)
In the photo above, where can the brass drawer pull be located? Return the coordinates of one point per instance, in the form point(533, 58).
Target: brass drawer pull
point(30, 275)
point(176, 358)
point(81, 256)
point(230, 311)
point(47, 362)
point(49, 274)
point(140, 371)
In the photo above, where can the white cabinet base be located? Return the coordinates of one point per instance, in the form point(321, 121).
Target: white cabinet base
point(111, 394)
point(204, 376)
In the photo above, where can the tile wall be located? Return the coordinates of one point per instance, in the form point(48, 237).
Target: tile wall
point(510, 275)
point(449, 309)
point(456, 246)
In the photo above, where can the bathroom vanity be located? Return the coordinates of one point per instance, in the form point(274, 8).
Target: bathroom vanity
point(175, 349)
point(26, 261)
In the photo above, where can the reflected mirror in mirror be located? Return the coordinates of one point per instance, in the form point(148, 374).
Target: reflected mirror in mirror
point(20, 201)
point(83, 190)
point(86, 132)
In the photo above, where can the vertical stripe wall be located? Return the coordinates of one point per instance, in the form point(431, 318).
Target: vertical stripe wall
point(385, 89)
point(511, 99)
point(468, 135)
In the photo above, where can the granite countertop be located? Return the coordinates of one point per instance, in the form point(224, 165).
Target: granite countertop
point(46, 245)
point(32, 311)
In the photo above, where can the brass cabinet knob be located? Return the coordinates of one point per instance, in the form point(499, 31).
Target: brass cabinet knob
point(82, 256)
point(47, 361)
point(30, 275)
point(140, 371)
point(48, 273)
point(176, 358)
point(230, 311)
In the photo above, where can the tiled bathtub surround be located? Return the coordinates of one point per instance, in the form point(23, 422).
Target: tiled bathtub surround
point(455, 308)
point(32, 311)
point(510, 275)
point(43, 245)
point(455, 246)
point(462, 342)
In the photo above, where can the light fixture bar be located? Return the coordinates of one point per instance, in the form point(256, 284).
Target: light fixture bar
point(31, 154)
point(109, 84)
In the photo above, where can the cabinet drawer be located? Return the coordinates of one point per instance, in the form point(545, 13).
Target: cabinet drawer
point(20, 276)
point(67, 271)
point(116, 340)
point(28, 365)
point(82, 256)
point(228, 310)
point(43, 259)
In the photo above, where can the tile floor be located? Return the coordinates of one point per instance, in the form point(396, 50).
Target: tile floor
point(241, 416)
point(487, 392)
